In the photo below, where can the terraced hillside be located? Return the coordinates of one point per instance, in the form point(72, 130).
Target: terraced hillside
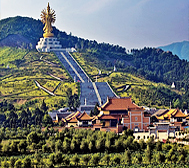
point(142, 91)
point(19, 69)
point(72, 67)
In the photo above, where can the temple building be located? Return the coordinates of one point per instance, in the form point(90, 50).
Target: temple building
point(84, 120)
point(175, 117)
point(78, 120)
point(121, 113)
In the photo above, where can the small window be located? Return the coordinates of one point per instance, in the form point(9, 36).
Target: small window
point(136, 124)
point(136, 118)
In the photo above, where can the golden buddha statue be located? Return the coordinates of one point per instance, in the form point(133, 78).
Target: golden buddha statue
point(48, 17)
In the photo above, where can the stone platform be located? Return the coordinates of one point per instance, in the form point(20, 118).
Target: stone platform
point(48, 44)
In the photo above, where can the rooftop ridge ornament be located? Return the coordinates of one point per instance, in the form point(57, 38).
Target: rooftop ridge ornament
point(48, 17)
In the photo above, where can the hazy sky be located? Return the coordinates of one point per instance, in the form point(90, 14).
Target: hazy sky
point(129, 23)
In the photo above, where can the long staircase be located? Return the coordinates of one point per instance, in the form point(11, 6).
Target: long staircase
point(72, 67)
point(91, 92)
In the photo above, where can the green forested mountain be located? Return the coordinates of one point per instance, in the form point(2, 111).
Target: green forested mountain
point(148, 63)
point(33, 30)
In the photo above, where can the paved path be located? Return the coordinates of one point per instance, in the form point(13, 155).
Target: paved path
point(81, 79)
point(57, 87)
point(41, 87)
point(91, 92)
point(55, 76)
point(97, 94)
point(73, 68)
point(105, 91)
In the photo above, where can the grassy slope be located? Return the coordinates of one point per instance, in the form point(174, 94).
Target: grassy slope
point(140, 87)
point(17, 81)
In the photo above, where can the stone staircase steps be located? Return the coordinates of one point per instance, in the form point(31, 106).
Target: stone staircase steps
point(93, 92)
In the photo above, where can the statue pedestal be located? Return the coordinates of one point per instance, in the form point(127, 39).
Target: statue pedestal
point(48, 44)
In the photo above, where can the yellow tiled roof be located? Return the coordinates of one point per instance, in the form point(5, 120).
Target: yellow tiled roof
point(85, 116)
point(172, 113)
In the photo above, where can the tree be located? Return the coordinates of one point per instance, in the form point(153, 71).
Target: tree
point(127, 156)
point(75, 159)
point(96, 111)
point(158, 146)
point(142, 144)
point(160, 158)
point(27, 162)
point(38, 115)
point(91, 146)
point(66, 145)
point(58, 158)
point(73, 145)
point(47, 120)
point(148, 154)
point(6, 147)
point(69, 92)
point(44, 107)
point(13, 147)
point(116, 159)
point(58, 145)
point(177, 103)
point(4, 164)
point(12, 162)
point(95, 159)
point(23, 118)
point(33, 138)
point(66, 160)
point(86, 159)
point(72, 100)
point(52, 159)
point(12, 118)
point(45, 148)
point(18, 164)
point(106, 159)
point(108, 145)
point(139, 158)
point(150, 143)
point(83, 146)
point(118, 145)
point(99, 145)
point(181, 159)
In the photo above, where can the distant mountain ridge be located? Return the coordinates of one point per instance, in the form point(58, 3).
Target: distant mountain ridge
point(180, 49)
